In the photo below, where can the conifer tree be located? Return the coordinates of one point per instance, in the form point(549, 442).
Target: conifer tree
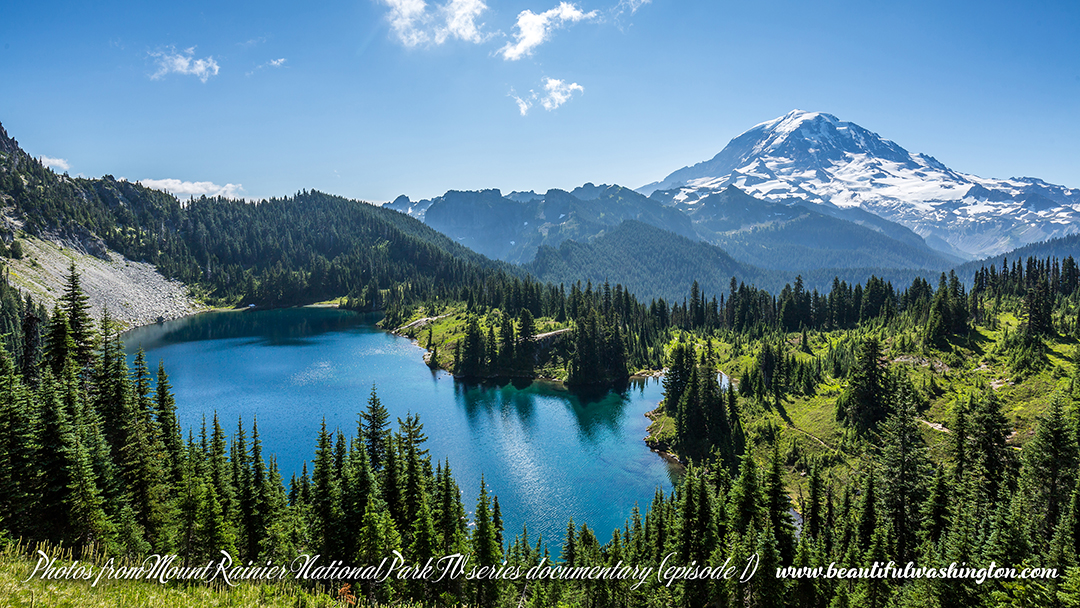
point(990, 456)
point(778, 507)
point(935, 511)
point(767, 591)
point(745, 508)
point(76, 308)
point(1005, 543)
point(326, 496)
point(19, 487)
point(59, 345)
point(142, 459)
point(1048, 474)
point(904, 460)
point(30, 356)
point(262, 512)
point(485, 547)
point(359, 485)
point(190, 498)
point(450, 513)
point(865, 402)
point(54, 463)
point(814, 513)
point(569, 552)
point(507, 356)
point(221, 479)
point(873, 592)
point(868, 519)
point(526, 347)
point(378, 538)
point(374, 423)
point(165, 408)
point(216, 532)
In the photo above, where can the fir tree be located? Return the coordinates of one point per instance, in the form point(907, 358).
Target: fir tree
point(904, 460)
point(485, 547)
point(374, 423)
point(326, 496)
point(778, 506)
point(1048, 474)
point(76, 309)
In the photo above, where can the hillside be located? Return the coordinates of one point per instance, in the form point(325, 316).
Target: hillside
point(797, 237)
point(282, 251)
point(512, 230)
point(135, 293)
point(1054, 248)
point(650, 262)
point(653, 263)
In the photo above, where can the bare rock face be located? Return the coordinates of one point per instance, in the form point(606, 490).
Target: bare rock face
point(7, 145)
point(135, 293)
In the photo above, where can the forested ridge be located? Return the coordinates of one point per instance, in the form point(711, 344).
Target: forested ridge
point(276, 252)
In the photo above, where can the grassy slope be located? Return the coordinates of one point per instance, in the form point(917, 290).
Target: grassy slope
point(448, 330)
point(807, 427)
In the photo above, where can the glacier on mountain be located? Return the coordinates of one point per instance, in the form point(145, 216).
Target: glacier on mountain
point(815, 157)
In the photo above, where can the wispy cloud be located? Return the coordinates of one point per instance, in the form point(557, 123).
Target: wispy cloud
point(181, 188)
point(55, 163)
point(534, 29)
point(273, 63)
point(183, 62)
point(630, 5)
point(415, 25)
point(556, 93)
point(522, 103)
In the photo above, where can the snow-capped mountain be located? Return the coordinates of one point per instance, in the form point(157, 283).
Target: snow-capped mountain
point(816, 157)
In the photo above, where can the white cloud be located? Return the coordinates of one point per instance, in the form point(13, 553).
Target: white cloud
point(406, 16)
point(534, 30)
point(55, 163)
point(558, 92)
point(415, 25)
point(183, 62)
point(523, 104)
point(183, 189)
point(460, 18)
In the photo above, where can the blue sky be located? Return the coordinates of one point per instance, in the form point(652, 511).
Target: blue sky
point(374, 98)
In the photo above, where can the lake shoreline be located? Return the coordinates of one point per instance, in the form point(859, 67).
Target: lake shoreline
point(539, 445)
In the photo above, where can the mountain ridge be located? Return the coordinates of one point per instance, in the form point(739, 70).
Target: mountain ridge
point(817, 158)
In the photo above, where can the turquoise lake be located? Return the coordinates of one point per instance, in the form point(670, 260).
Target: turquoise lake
point(548, 453)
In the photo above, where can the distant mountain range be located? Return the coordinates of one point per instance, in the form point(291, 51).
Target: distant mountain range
point(789, 235)
point(817, 158)
point(511, 228)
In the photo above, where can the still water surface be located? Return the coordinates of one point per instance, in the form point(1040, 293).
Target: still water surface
point(548, 453)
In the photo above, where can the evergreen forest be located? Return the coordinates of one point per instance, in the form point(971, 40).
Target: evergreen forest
point(931, 420)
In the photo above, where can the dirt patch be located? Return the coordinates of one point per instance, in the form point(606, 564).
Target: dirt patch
point(937, 364)
point(935, 426)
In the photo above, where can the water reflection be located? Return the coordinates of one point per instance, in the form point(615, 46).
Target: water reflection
point(549, 452)
point(283, 327)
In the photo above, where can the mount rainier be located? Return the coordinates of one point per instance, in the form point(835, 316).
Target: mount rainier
point(815, 157)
